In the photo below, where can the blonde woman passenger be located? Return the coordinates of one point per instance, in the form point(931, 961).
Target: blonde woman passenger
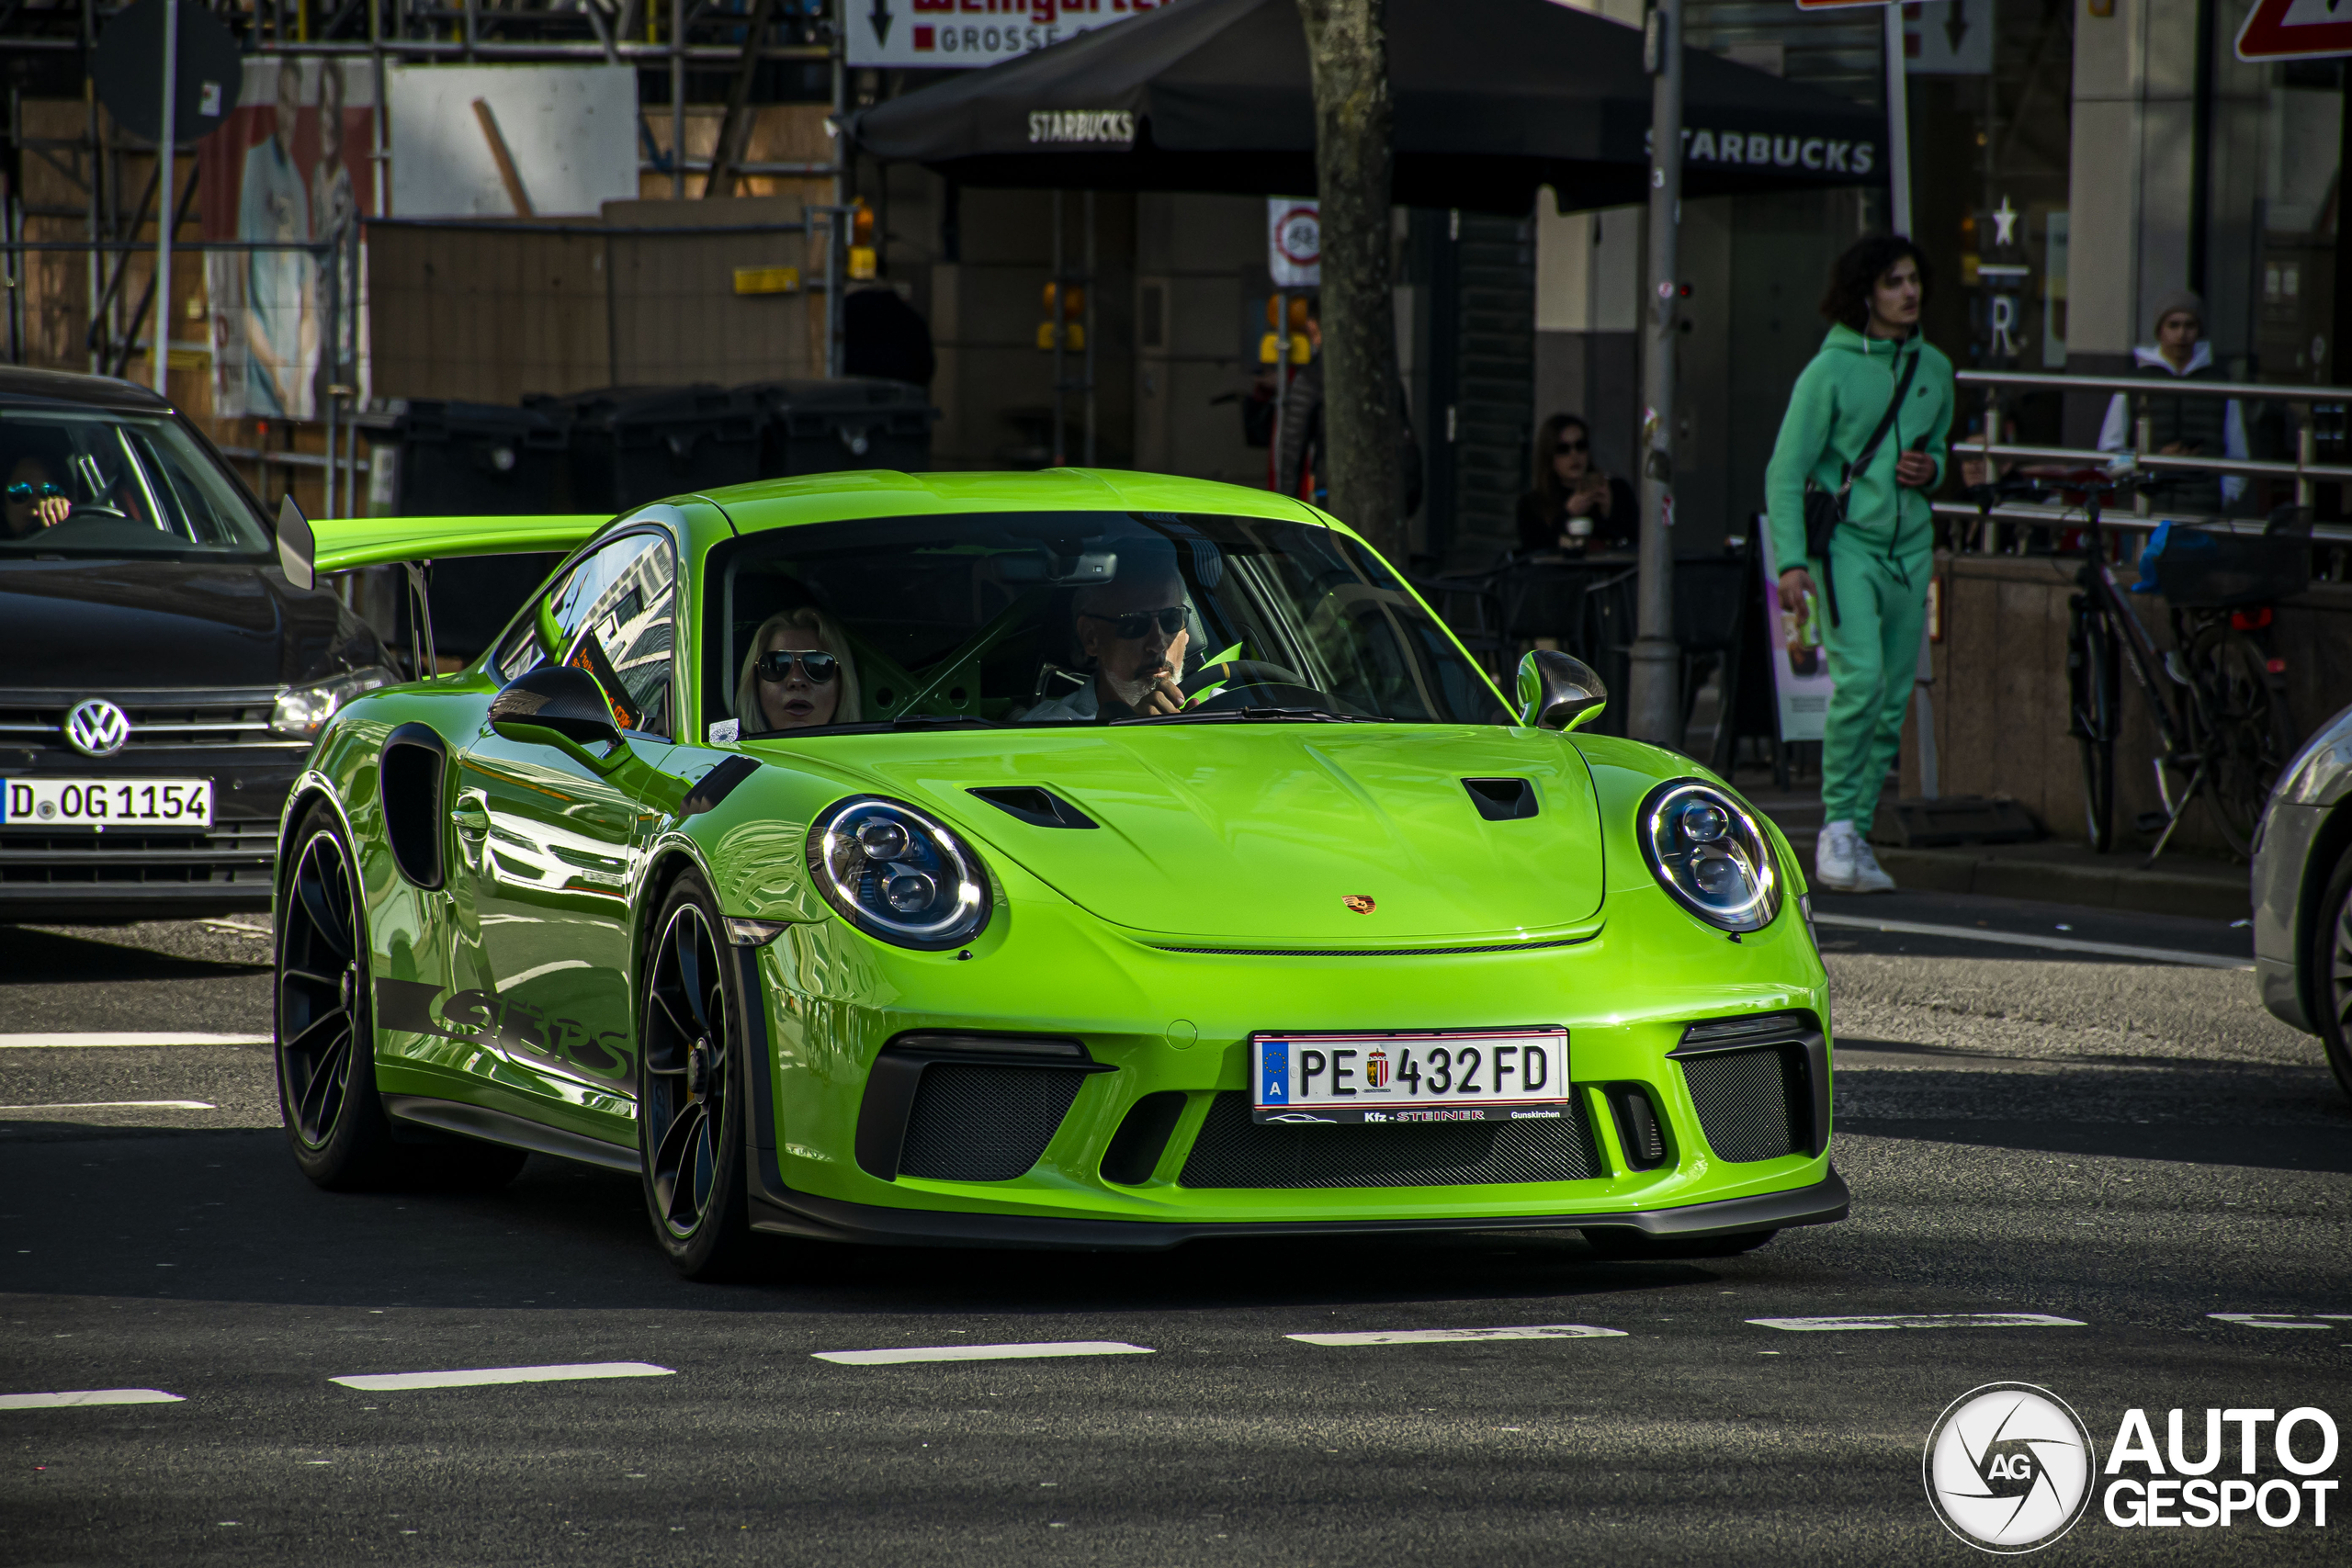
point(798, 675)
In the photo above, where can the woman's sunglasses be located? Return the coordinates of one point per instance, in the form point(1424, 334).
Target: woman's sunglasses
point(1573, 446)
point(819, 668)
point(21, 491)
point(1136, 623)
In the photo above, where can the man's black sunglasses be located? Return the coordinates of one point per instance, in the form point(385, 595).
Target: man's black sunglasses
point(1136, 623)
point(776, 666)
point(21, 491)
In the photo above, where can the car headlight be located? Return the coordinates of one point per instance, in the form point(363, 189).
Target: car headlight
point(1706, 851)
point(301, 710)
point(897, 874)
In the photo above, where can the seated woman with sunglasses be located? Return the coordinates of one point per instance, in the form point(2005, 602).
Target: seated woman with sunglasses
point(35, 500)
point(1574, 509)
point(798, 675)
point(1132, 629)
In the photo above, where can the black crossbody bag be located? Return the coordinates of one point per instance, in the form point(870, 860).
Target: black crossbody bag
point(1825, 509)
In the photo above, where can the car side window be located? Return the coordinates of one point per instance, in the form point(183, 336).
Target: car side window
point(616, 616)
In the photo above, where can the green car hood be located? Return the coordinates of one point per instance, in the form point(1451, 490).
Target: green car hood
point(1261, 832)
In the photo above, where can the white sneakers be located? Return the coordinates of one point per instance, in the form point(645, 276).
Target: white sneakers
point(1842, 863)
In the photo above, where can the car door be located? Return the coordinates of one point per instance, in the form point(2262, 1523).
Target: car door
point(550, 842)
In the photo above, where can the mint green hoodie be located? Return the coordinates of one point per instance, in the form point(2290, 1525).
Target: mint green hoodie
point(1837, 402)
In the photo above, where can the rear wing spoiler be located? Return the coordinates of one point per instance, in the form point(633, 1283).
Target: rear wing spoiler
point(345, 544)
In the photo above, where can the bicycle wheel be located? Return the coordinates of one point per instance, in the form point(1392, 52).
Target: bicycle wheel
point(2091, 684)
point(2240, 727)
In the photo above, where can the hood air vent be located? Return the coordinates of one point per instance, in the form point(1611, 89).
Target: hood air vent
point(1038, 807)
point(1501, 800)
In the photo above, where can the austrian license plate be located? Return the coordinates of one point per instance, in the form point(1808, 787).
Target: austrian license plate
point(106, 803)
point(1444, 1076)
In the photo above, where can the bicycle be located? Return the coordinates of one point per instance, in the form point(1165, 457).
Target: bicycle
point(2217, 700)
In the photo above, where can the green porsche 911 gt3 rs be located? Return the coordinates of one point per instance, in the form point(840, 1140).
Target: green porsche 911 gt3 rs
point(1074, 859)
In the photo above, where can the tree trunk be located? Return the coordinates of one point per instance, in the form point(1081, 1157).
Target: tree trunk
point(1347, 47)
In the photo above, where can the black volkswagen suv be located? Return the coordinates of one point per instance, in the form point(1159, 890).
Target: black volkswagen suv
point(159, 681)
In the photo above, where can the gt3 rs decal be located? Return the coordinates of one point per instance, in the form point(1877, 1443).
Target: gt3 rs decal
point(515, 1027)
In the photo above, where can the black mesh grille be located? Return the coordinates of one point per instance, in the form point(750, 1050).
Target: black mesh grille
point(1233, 1151)
point(984, 1124)
point(1743, 1099)
point(230, 853)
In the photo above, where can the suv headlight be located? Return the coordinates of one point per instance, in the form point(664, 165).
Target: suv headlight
point(303, 710)
point(1707, 850)
point(897, 874)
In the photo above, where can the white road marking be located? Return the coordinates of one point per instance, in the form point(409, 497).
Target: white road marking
point(985, 1353)
point(389, 1382)
point(88, 1397)
point(1921, 1320)
point(115, 1105)
point(2318, 1320)
point(118, 1037)
point(1440, 1336)
point(2020, 938)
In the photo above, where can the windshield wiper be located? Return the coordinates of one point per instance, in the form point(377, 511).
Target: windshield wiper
point(1257, 715)
point(943, 721)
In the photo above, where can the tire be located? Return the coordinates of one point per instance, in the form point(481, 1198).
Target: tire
point(1633, 1246)
point(2327, 960)
point(2091, 682)
point(2241, 728)
point(690, 1092)
point(325, 1032)
point(326, 1039)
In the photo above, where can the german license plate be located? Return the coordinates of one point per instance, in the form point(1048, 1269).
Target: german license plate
point(1439, 1075)
point(106, 803)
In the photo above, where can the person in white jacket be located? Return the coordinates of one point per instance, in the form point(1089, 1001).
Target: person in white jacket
point(2183, 426)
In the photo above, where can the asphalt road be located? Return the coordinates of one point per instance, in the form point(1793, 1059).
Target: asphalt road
point(2127, 1143)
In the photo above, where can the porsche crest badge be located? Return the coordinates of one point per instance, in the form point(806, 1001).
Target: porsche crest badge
point(1362, 903)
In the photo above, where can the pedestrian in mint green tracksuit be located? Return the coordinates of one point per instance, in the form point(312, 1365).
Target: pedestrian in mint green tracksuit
point(1881, 556)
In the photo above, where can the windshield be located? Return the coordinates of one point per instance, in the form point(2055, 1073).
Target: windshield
point(1072, 617)
point(81, 484)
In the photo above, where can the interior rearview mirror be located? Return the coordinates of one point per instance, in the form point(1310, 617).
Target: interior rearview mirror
point(1556, 691)
point(556, 704)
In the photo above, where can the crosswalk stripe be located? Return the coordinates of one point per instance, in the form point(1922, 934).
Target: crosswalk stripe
point(2027, 939)
point(1443, 1336)
point(116, 1105)
point(985, 1353)
point(476, 1377)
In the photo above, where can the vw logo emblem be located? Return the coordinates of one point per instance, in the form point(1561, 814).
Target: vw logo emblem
point(97, 728)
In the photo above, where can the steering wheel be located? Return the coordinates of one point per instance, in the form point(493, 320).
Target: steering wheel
point(1269, 694)
point(1233, 672)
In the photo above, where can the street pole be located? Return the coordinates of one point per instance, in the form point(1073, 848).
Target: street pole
point(1655, 703)
point(169, 185)
point(1898, 125)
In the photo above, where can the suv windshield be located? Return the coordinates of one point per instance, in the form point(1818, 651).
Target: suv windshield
point(91, 483)
point(1072, 617)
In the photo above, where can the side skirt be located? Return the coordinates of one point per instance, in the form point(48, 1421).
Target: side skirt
point(516, 1131)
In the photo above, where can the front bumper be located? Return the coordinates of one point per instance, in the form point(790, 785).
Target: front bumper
point(780, 1211)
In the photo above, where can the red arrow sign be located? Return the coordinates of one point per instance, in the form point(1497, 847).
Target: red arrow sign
point(2295, 29)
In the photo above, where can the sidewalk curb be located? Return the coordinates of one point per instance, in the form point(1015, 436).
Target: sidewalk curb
point(2121, 886)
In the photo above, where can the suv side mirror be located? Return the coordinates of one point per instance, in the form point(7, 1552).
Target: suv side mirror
point(556, 704)
point(1556, 691)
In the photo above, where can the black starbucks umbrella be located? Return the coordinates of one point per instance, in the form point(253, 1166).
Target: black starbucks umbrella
point(1493, 98)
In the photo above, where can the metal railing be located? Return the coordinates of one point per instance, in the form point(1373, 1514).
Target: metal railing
point(2306, 471)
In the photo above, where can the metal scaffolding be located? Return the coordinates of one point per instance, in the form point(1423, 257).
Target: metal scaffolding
point(733, 37)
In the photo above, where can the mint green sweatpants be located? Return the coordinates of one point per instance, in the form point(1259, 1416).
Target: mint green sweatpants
point(1873, 651)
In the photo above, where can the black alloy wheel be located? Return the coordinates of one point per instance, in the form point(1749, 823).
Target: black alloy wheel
point(2091, 680)
point(2241, 728)
point(326, 1080)
point(690, 1093)
point(2328, 971)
